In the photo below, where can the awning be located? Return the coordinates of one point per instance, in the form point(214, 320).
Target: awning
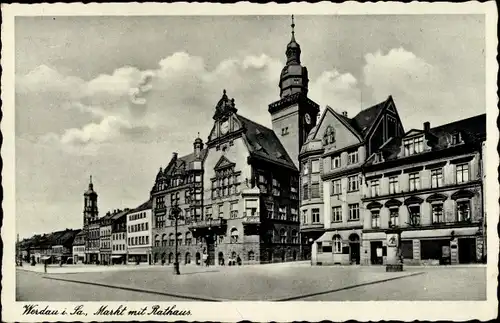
point(45, 257)
point(327, 236)
point(439, 233)
point(116, 257)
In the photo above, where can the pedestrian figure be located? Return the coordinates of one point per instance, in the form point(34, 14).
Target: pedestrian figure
point(45, 265)
point(238, 260)
point(205, 259)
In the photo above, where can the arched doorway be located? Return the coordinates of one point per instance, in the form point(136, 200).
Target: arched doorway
point(294, 255)
point(354, 248)
point(283, 256)
point(187, 260)
point(198, 256)
point(220, 258)
point(170, 257)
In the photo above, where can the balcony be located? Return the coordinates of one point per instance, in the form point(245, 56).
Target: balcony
point(251, 219)
point(208, 224)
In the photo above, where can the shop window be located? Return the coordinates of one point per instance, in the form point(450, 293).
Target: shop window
point(337, 244)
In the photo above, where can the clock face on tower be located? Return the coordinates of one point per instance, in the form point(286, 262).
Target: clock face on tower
point(224, 127)
point(307, 117)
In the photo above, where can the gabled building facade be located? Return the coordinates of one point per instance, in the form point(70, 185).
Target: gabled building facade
point(332, 180)
point(429, 183)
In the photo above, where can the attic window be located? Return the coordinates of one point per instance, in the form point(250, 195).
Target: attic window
point(413, 145)
point(456, 138)
point(329, 136)
point(378, 157)
point(284, 131)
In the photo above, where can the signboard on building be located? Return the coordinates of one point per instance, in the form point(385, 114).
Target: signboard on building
point(392, 240)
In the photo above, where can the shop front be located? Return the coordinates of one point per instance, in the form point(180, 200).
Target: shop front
point(339, 247)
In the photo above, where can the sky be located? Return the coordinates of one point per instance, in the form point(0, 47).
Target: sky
point(113, 97)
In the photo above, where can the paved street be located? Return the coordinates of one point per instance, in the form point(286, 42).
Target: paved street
point(291, 281)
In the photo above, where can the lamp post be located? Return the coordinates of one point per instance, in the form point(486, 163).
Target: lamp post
point(175, 214)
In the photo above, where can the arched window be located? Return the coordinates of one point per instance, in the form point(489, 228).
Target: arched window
point(295, 237)
point(234, 235)
point(283, 235)
point(179, 239)
point(171, 240)
point(189, 238)
point(164, 240)
point(157, 240)
point(251, 256)
point(170, 257)
point(337, 244)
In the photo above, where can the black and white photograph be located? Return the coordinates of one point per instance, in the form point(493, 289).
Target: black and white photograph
point(249, 162)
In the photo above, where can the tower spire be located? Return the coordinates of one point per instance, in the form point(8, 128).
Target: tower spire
point(293, 28)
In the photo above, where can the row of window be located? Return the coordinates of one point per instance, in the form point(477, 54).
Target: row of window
point(275, 188)
point(137, 216)
point(105, 244)
point(137, 241)
point(335, 162)
point(138, 227)
point(414, 181)
point(178, 181)
point(353, 214)
point(463, 214)
point(104, 233)
point(119, 247)
point(119, 236)
point(79, 249)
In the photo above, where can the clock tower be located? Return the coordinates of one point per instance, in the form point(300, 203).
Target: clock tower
point(294, 115)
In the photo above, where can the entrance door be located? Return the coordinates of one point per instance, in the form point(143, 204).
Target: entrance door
point(211, 250)
point(374, 257)
point(466, 250)
point(354, 248)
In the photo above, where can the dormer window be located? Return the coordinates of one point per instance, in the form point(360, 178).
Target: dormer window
point(413, 145)
point(379, 157)
point(456, 138)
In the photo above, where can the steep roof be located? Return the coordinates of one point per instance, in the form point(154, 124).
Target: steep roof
point(263, 143)
point(363, 121)
point(182, 163)
point(144, 206)
point(472, 130)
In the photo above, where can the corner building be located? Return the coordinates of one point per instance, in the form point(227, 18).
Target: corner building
point(429, 183)
point(332, 180)
point(239, 196)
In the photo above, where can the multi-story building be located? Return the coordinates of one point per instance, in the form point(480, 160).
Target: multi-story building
point(91, 225)
point(180, 184)
point(105, 238)
point(62, 245)
point(429, 184)
point(239, 196)
point(139, 234)
point(332, 180)
point(79, 248)
point(119, 238)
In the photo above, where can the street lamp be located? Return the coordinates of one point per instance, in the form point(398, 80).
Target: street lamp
point(175, 214)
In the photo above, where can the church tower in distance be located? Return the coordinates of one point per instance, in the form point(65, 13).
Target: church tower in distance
point(90, 211)
point(294, 115)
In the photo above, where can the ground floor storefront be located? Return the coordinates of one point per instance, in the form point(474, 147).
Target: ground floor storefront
point(140, 255)
point(338, 247)
point(92, 257)
point(105, 257)
point(429, 247)
point(118, 259)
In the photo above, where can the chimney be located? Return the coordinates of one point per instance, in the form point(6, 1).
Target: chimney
point(344, 113)
point(174, 155)
point(427, 126)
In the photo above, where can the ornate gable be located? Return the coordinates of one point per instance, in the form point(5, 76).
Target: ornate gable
point(223, 163)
